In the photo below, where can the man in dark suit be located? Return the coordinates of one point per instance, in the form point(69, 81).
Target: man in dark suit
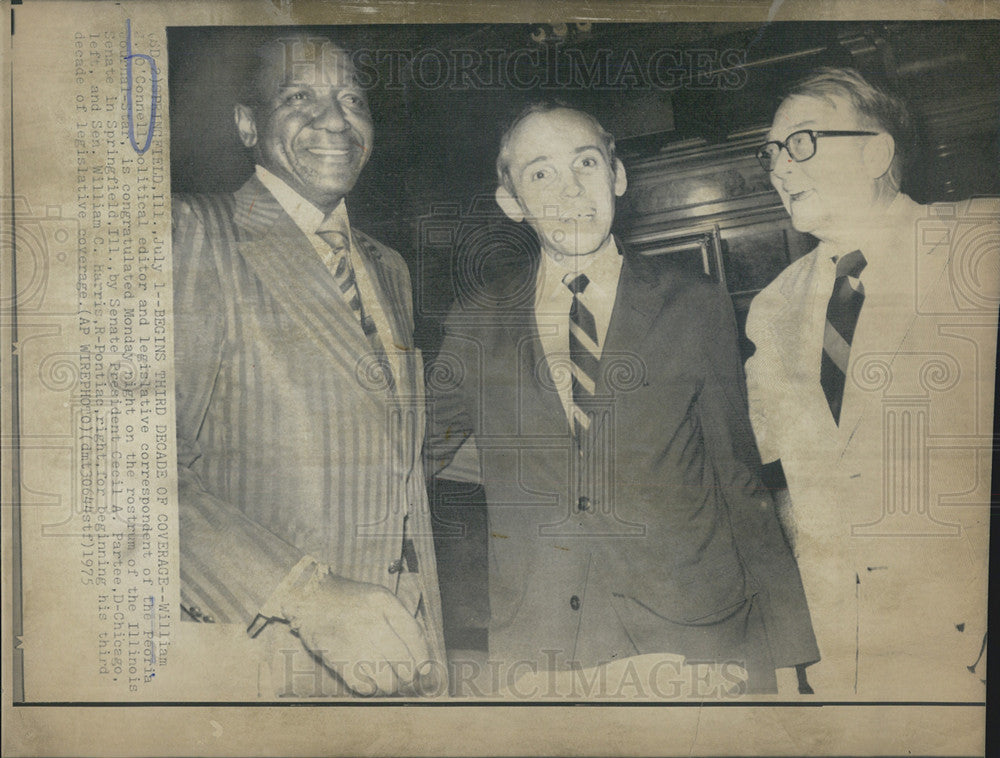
point(303, 510)
point(606, 397)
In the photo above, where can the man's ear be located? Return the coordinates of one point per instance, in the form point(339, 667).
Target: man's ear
point(246, 125)
point(621, 181)
point(878, 153)
point(509, 205)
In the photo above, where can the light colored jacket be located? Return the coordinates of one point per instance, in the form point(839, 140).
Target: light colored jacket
point(890, 509)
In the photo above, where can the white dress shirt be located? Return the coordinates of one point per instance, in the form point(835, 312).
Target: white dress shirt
point(553, 300)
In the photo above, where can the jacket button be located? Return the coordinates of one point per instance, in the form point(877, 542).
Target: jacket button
point(574, 602)
point(396, 566)
point(583, 504)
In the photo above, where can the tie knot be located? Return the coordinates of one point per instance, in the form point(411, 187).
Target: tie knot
point(577, 284)
point(851, 264)
point(333, 231)
point(336, 240)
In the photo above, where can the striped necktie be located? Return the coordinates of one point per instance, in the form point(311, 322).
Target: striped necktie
point(841, 318)
point(338, 261)
point(583, 354)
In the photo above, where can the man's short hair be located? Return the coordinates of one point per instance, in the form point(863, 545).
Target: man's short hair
point(883, 110)
point(268, 51)
point(544, 106)
point(251, 85)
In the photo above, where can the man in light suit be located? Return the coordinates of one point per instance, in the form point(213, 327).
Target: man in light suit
point(303, 511)
point(605, 394)
point(872, 383)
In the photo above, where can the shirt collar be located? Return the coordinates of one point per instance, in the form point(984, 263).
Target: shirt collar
point(305, 215)
point(602, 267)
point(883, 243)
point(888, 247)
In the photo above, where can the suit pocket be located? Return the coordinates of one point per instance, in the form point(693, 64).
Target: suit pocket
point(713, 617)
point(704, 589)
point(718, 635)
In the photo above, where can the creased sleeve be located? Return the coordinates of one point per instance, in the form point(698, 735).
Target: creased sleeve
point(762, 377)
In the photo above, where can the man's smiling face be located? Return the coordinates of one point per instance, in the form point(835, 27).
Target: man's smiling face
point(563, 181)
point(312, 128)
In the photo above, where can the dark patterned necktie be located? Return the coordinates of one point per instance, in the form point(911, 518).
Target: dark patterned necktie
point(339, 264)
point(583, 354)
point(841, 318)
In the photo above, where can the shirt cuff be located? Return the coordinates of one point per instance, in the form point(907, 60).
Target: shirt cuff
point(301, 574)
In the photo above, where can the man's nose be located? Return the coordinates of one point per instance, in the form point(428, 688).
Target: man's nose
point(572, 186)
point(783, 163)
point(330, 117)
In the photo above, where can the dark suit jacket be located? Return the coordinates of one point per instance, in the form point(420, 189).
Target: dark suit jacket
point(679, 549)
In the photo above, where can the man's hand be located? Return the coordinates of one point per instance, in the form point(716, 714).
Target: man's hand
point(363, 633)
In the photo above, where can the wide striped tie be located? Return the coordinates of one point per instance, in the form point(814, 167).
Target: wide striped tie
point(583, 355)
point(841, 318)
point(338, 262)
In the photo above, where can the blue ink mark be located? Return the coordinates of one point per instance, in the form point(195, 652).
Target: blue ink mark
point(129, 55)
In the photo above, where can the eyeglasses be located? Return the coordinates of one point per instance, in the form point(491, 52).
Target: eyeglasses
point(801, 146)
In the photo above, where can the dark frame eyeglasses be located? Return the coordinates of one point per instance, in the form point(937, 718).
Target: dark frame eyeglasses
point(800, 145)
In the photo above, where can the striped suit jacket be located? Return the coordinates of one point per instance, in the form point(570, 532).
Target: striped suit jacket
point(290, 443)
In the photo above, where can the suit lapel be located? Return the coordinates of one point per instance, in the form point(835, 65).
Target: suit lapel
point(391, 290)
point(538, 370)
point(286, 265)
point(890, 336)
point(516, 310)
point(797, 329)
point(638, 300)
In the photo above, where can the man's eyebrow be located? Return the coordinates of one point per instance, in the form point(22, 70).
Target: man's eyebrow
point(584, 148)
point(352, 83)
point(797, 126)
point(534, 161)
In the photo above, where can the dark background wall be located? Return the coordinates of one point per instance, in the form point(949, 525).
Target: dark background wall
point(688, 104)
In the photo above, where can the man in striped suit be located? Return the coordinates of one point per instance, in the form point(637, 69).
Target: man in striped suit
point(303, 510)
